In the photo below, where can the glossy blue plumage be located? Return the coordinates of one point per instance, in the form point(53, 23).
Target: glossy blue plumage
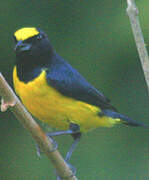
point(68, 81)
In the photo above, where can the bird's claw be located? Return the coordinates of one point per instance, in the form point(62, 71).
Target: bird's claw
point(73, 169)
point(55, 146)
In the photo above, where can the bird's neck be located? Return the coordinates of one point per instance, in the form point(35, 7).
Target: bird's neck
point(29, 66)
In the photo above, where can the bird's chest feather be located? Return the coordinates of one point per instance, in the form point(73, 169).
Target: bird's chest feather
point(39, 98)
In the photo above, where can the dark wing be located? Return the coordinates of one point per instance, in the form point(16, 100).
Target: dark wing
point(70, 83)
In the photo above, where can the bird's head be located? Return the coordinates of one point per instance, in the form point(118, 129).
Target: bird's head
point(31, 41)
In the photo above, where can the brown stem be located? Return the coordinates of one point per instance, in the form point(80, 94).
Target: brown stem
point(37, 133)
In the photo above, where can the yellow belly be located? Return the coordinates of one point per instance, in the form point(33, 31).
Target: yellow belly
point(51, 107)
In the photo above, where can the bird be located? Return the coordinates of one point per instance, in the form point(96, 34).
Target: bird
point(56, 93)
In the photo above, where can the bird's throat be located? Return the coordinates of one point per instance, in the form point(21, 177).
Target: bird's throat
point(29, 67)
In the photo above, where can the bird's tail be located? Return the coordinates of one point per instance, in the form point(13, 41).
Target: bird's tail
point(124, 119)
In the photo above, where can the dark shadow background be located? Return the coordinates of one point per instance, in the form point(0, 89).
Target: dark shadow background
point(95, 37)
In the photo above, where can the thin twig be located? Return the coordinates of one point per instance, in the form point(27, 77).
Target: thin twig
point(29, 123)
point(133, 12)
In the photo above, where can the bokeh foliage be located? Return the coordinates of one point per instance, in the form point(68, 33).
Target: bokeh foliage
point(96, 38)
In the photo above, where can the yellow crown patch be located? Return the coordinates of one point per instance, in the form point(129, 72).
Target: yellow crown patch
point(25, 33)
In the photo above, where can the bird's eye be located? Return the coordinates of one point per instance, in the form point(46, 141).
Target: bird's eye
point(39, 37)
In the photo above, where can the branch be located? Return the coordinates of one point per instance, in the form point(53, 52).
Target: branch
point(132, 12)
point(29, 123)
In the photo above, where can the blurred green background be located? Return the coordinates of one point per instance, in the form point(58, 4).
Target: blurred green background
point(96, 38)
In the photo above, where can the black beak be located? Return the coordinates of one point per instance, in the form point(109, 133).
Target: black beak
point(21, 46)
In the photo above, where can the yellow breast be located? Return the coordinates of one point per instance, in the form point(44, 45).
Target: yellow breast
point(51, 107)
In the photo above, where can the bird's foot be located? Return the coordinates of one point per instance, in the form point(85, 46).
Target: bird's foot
point(55, 145)
point(73, 169)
